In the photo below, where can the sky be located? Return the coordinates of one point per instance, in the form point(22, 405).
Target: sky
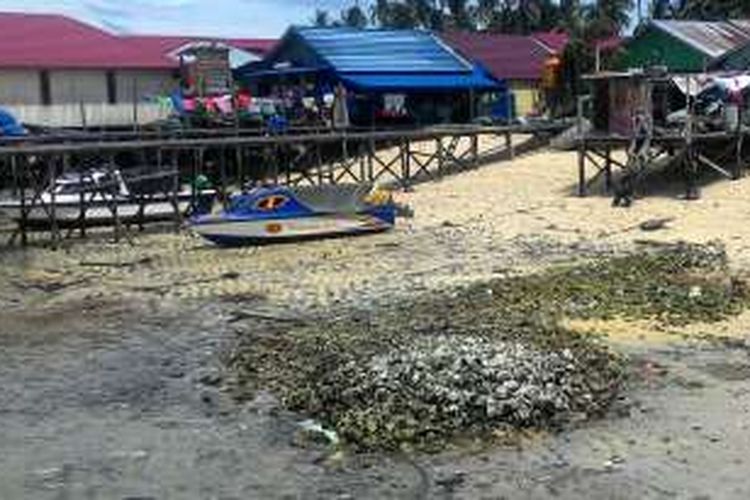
point(228, 18)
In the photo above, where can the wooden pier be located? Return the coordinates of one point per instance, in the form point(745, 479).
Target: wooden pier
point(232, 160)
point(629, 117)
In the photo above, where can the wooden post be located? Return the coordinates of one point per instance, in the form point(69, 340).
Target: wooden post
point(319, 162)
point(24, 212)
point(193, 175)
point(52, 174)
point(581, 167)
point(14, 174)
point(690, 165)
point(223, 176)
point(82, 208)
point(345, 154)
point(115, 197)
point(509, 145)
point(737, 172)
point(581, 149)
point(608, 169)
point(472, 109)
point(739, 169)
point(370, 160)
point(475, 150)
point(509, 107)
point(331, 173)
point(176, 189)
point(238, 151)
point(406, 162)
point(440, 156)
point(287, 164)
point(361, 155)
point(275, 163)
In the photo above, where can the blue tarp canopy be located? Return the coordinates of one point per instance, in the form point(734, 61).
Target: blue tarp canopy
point(424, 82)
point(9, 126)
point(254, 74)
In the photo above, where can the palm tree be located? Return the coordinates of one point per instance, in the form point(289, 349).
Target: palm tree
point(321, 18)
point(354, 17)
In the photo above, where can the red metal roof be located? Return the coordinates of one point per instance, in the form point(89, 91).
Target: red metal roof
point(514, 57)
point(555, 41)
point(57, 42)
point(156, 44)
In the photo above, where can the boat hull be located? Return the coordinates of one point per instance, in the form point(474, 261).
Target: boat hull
point(257, 232)
point(100, 213)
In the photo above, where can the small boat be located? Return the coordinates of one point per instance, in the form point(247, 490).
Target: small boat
point(281, 214)
point(92, 197)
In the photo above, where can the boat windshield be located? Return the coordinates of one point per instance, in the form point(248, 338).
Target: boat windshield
point(69, 188)
point(241, 203)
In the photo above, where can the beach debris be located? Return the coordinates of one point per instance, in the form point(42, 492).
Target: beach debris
point(211, 377)
point(442, 367)
point(311, 431)
point(655, 224)
point(451, 481)
point(118, 264)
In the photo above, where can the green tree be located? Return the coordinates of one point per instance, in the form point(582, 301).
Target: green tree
point(662, 9)
point(607, 18)
point(392, 14)
point(459, 16)
point(321, 18)
point(712, 10)
point(354, 17)
point(400, 14)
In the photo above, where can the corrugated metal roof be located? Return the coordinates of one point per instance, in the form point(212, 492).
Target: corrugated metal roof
point(554, 41)
point(505, 56)
point(712, 38)
point(351, 50)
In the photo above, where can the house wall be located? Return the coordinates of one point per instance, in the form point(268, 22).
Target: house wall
point(143, 83)
point(76, 86)
point(19, 87)
point(21, 94)
point(654, 47)
point(527, 94)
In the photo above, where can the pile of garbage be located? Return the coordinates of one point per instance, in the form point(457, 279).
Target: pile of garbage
point(445, 386)
point(483, 360)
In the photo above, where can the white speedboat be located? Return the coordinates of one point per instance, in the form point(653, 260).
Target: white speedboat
point(96, 197)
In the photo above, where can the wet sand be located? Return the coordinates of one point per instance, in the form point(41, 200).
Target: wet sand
point(111, 354)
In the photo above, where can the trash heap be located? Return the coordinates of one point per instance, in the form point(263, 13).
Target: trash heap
point(485, 360)
point(448, 385)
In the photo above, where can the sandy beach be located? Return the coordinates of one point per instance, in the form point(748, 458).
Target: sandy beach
point(499, 218)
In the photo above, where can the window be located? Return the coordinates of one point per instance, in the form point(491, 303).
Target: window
point(45, 90)
point(111, 87)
